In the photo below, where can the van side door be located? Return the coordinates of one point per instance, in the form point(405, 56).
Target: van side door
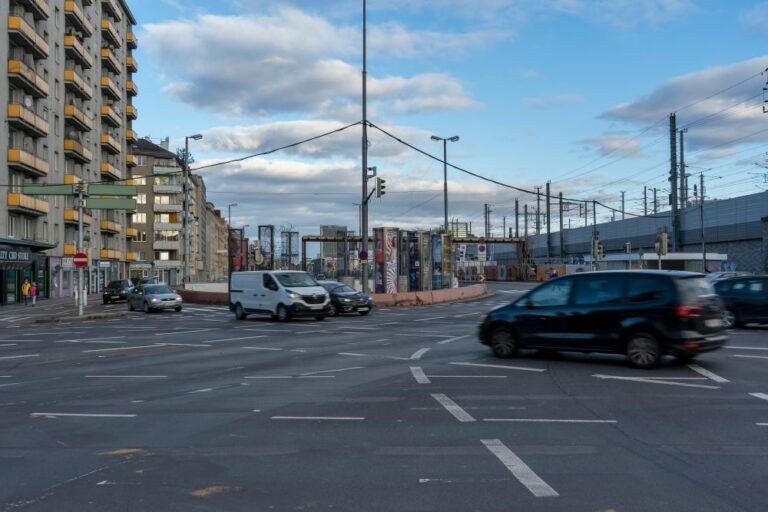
point(270, 293)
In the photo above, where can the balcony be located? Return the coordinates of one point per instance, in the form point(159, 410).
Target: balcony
point(110, 88)
point(111, 116)
point(110, 144)
point(131, 112)
point(69, 249)
point(27, 120)
point(130, 137)
point(28, 163)
point(72, 216)
point(76, 18)
point(23, 34)
point(131, 64)
point(167, 226)
point(110, 171)
point(160, 264)
point(77, 52)
point(77, 118)
point(74, 150)
point(132, 88)
point(25, 77)
point(110, 6)
point(71, 179)
point(131, 256)
point(110, 60)
point(163, 208)
point(107, 226)
point(158, 169)
point(131, 40)
point(26, 204)
point(131, 232)
point(39, 8)
point(167, 245)
point(77, 85)
point(110, 33)
point(131, 160)
point(110, 254)
point(167, 189)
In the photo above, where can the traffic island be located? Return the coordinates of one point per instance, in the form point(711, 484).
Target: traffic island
point(76, 318)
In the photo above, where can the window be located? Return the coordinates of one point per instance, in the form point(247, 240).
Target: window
point(141, 160)
point(269, 282)
point(57, 17)
point(139, 180)
point(645, 289)
point(142, 236)
point(599, 290)
point(161, 199)
point(554, 293)
point(141, 199)
point(139, 218)
point(162, 255)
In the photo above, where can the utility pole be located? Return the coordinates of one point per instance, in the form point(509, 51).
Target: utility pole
point(549, 225)
point(586, 213)
point(673, 182)
point(538, 208)
point(562, 234)
point(525, 221)
point(185, 222)
point(622, 205)
point(503, 225)
point(82, 294)
point(517, 219)
point(645, 201)
point(683, 175)
point(364, 201)
point(594, 213)
point(701, 219)
point(655, 202)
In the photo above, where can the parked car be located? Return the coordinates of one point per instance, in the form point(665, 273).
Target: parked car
point(116, 290)
point(643, 314)
point(345, 299)
point(151, 297)
point(714, 277)
point(745, 298)
point(284, 294)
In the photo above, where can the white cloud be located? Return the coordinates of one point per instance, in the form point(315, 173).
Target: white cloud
point(554, 100)
point(621, 13)
point(756, 18)
point(620, 144)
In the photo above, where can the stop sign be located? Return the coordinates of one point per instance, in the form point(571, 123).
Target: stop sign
point(80, 259)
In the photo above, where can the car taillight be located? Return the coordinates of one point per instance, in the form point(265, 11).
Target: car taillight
point(688, 311)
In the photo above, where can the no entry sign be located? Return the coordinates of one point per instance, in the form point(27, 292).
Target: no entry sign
point(80, 259)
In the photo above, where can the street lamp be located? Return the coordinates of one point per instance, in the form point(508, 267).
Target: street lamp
point(229, 213)
point(445, 141)
point(197, 136)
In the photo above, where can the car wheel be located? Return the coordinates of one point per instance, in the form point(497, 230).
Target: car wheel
point(130, 306)
point(177, 309)
point(503, 343)
point(364, 312)
point(147, 309)
point(643, 350)
point(282, 314)
point(239, 313)
point(729, 318)
point(333, 310)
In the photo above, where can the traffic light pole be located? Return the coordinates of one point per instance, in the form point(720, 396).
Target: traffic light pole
point(82, 296)
point(364, 206)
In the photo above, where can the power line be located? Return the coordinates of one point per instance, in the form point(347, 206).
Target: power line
point(720, 91)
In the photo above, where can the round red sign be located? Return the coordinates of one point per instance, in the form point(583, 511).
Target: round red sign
point(80, 259)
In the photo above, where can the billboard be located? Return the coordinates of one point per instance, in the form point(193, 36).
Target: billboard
point(414, 283)
point(425, 259)
point(378, 261)
point(437, 262)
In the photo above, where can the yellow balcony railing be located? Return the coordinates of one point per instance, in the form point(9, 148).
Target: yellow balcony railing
point(109, 58)
point(133, 42)
point(110, 115)
point(132, 88)
point(39, 8)
point(24, 34)
point(131, 64)
point(110, 254)
point(131, 112)
point(75, 83)
point(69, 249)
point(72, 216)
point(71, 179)
point(110, 171)
point(75, 50)
point(77, 117)
point(131, 232)
point(110, 143)
point(130, 136)
point(26, 77)
point(27, 204)
point(110, 227)
point(111, 7)
point(109, 31)
point(21, 160)
point(131, 160)
point(110, 87)
point(131, 256)
point(77, 19)
point(27, 120)
point(76, 151)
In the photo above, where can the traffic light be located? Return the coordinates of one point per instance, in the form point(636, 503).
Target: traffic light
point(664, 245)
point(600, 250)
point(380, 186)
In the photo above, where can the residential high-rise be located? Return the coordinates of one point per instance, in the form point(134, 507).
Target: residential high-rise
point(68, 90)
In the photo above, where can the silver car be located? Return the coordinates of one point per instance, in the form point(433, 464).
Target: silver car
point(151, 297)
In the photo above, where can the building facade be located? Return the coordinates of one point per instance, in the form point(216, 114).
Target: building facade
point(68, 89)
point(216, 243)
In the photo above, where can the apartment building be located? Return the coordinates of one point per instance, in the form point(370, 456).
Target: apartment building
point(68, 89)
point(216, 242)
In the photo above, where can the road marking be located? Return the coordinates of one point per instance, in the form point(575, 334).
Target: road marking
point(328, 418)
point(20, 341)
point(762, 424)
point(419, 375)
point(316, 377)
point(269, 377)
point(467, 376)
point(520, 469)
point(752, 357)
point(8, 345)
point(469, 314)
point(351, 354)
point(20, 357)
point(747, 348)
point(181, 332)
point(182, 345)
point(77, 415)
point(235, 339)
point(204, 390)
point(121, 348)
point(652, 381)
point(81, 340)
point(8, 385)
point(546, 420)
point(126, 376)
point(453, 408)
point(362, 328)
point(450, 340)
point(267, 330)
point(505, 367)
point(332, 371)
point(417, 355)
point(763, 396)
point(429, 318)
point(708, 374)
point(265, 348)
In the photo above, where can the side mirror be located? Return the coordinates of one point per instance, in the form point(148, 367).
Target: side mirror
point(530, 304)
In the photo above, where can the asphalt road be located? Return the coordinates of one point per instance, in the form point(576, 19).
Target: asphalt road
point(402, 410)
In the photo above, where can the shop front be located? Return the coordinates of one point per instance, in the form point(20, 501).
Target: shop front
point(21, 261)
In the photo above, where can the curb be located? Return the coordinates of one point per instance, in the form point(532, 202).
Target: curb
point(92, 316)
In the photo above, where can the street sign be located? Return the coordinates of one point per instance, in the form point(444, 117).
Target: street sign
point(80, 259)
point(67, 263)
point(101, 203)
point(481, 248)
point(47, 190)
point(363, 255)
point(112, 190)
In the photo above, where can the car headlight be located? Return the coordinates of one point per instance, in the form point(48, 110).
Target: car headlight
point(346, 300)
point(327, 296)
point(294, 296)
point(154, 299)
point(178, 298)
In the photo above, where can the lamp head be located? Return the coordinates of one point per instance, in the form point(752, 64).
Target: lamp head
point(454, 138)
point(435, 137)
point(196, 136)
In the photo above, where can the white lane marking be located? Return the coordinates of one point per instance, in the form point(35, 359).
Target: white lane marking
point(417, 355)
point(469, 314)
point(204, 390)
point(505, 367)
point(235, 339)
point(8, 385)
point(419, 375)
point(82, 340)
point(429, 318)
point(174, 333)
point(264, 348)
point(300, 350)
point(121, 348)
point(316, 377)
point(21, 341)
point(453, 408)
point(8, 345)
point(78, 415)
point(6, 376)
point(762, 424)
point(520, 469)
point(333, 371)
point(183, 345)
point(513, 291)
point(20, 357)
point(324, 418)
point(269, 377)
point(746, 348)
point(267, 330)
point(362, 328)
point(652, 381)
point(752, 357)
point(126, 376)
point(679, 378)
point(708, 374)
point(351, 354)
point(467, 376)
point(546, 420)
point(450, 340)
point(763, 396)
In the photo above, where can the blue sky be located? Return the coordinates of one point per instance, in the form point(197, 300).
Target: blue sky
point(548, 90)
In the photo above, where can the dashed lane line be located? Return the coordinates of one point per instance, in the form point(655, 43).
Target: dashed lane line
point(20, 357)
point(762, 396)
point(451, 340)
point(524, 474)
point(545, 420)
point(126, 377)
point(505, 367)
point(417, 355)
point(746, 348)
point(453, 408)
point(235, 339)
point(751, 357)
point(429, 318)
point(319, 418)
point(708, 374)
point(121, 348)
point(332, 371)
point(653, 381)
point(78, 415)
point(419, 375)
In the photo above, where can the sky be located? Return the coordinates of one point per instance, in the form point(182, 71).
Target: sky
point(575, 92)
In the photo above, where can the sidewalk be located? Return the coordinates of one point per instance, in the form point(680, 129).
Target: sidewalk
point(56, 310)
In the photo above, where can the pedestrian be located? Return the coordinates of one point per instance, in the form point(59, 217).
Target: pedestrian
point(33, 292)
point(25, 291)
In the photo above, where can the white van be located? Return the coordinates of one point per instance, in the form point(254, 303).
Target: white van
point(280, 293)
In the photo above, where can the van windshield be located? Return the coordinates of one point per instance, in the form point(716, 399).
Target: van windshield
point(296, 279)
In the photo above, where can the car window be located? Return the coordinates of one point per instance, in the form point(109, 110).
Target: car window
point(269, 282)
point(344, 289)
point(296, 279)
point(724, 285)
point(647, 289)
point(691, 288)
point(157, 289)
point(597, 289)
point(555, 293)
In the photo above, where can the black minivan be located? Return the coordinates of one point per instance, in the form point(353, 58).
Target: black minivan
point(644, 314)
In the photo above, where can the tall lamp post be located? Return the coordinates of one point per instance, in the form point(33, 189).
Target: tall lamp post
point(445, 141)
point(229, 214)
point(185, 224)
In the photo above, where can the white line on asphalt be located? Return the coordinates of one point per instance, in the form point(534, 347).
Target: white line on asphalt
point(546, 420)
point(505, 367)
point(520, 469)
point(763, 396)
point(8, 345)
point(417, 355)
point(126, 376)
point(265, 348)
point(762, 424)
point(299, 350)
point(8, 385)
point(329, 418)
point(752, 357)
point(467, 376)
point(121, 348)
point(269, 377)
point(708, 374)
point(333, 371)
point(69, 414)
point(20, 341)
point(469, 314)
point(316, 377)
point(174, 333)
point(267, 330)
point(381, 339)
point(450, 340)
point(362, 328)
point(351, 354)
point(747, 348)
point(429, 318)
point(418, 374)
point(652, 381)
point(235, 339)
point(182, 345)
point(20, 357)
point(678, 378)
point(453, 408)
point(6, 376)
point(204, 390)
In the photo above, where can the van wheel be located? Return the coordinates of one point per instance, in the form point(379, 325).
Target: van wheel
point(239, 313)
point(729, 319)
point(333, 310)
point(503, 343)
point(146, 307)
point(643, 350)
point(282, 314)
